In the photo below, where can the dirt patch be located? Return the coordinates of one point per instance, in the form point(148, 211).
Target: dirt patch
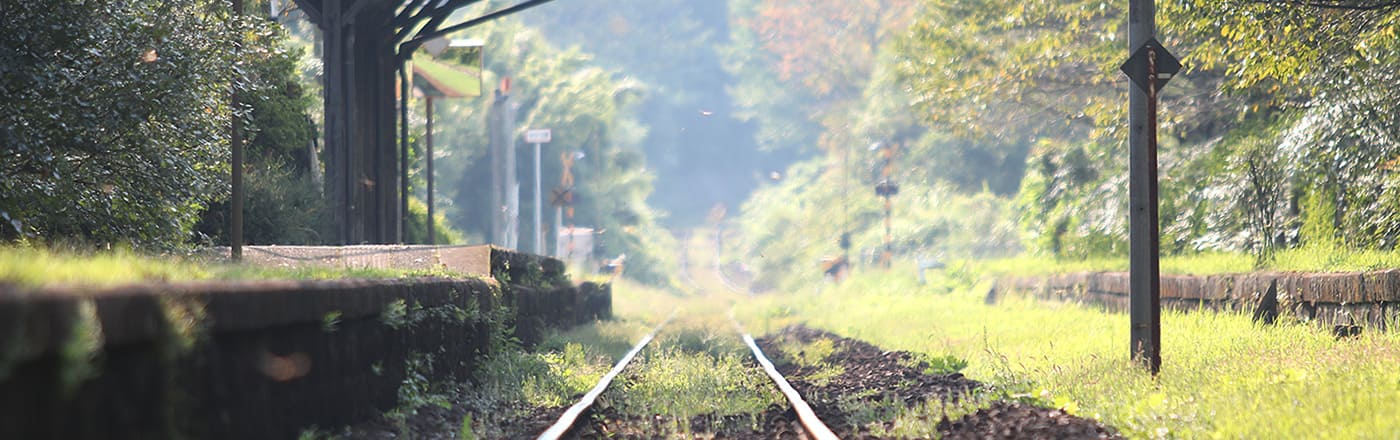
point(608, 423)
point(1007, 420)
point(871, 377)
point(868, 377)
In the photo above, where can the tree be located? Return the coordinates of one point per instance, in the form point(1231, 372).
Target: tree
point(115, 120)
point(802, 66)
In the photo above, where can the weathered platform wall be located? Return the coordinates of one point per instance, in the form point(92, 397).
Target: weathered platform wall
point(479, 260)
point(1342, 299)
point(255, 360)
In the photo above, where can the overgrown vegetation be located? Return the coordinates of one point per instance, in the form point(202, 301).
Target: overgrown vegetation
point(38, 266)
point(1222, 375)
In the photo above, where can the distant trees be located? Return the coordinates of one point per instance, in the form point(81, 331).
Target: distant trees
point(803, 66)
point(701, 151)
point(1279, 99)
point(1281, 131)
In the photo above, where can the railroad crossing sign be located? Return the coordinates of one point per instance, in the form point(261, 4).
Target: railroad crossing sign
point(538, 136)
point(1140, 65)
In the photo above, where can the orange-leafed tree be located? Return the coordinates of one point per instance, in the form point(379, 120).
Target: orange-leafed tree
point(802, 64)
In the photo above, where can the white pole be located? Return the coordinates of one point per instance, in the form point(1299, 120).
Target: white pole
point(539, 206)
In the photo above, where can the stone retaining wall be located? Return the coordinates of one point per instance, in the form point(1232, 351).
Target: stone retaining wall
point(251, 360)
point(1341, 299)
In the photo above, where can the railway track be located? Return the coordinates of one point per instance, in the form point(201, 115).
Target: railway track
point(812, 426)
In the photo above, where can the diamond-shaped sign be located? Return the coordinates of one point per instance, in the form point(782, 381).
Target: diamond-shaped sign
point(1137, 65)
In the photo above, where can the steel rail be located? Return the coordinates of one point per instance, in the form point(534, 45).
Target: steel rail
point(570, 416)
point(810, 422)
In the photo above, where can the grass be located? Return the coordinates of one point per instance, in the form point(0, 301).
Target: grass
point(1222, 375)
point(34, 267)
point(1314, 258)
point(696, 364)
point(693, 367)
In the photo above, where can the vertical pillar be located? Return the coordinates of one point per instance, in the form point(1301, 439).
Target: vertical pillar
point(1144, 280)
point(359, 86)
point(432, 239)
point(404, 95)
point(236, 161)
point(539, 207)
point(334, 58)
point(496, 125)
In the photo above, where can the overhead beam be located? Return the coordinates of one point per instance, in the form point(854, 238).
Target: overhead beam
point(435, 17)
point(422, 36)
point(312, 9)
point(409, 11)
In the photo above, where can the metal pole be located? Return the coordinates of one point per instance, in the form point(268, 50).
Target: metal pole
point(236, 162)
point(505, 190)
point(558, 230)
point(429, 153)
point(1144, 280)
point(889, 237)
point(403, 149)
point(539, 206)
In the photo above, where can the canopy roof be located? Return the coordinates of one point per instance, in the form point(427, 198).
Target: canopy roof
point(443, 80)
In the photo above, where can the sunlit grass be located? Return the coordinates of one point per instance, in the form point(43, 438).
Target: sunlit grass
point(1333, 258)
point(1222, 376)
point(1314, 258)
point(32, 267)
point(1198, 264)
point(697, 365)
point(673, 380)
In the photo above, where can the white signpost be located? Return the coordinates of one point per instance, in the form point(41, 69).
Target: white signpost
point(538, 136)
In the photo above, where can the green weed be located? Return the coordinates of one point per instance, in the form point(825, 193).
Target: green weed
point(330, 322)
point(466, 432)
point(671, 381)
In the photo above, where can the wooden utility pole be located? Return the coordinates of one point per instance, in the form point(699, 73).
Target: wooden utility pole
point(1149, 67)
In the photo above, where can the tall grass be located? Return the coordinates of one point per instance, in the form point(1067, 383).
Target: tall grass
point(1222, 375)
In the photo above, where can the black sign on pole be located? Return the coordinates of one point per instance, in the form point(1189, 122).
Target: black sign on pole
point(1137, 65)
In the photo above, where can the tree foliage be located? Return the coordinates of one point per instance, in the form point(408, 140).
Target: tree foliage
point(1277, 97)
point(283, 203)
point(114, 124)
point(802, 66)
